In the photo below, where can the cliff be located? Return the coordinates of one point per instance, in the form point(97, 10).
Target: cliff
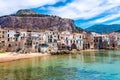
point(27, 19)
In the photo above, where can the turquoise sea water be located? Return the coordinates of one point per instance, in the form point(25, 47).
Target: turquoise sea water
point(103, 65)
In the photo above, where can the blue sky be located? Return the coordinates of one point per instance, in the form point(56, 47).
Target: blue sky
point(85, 12)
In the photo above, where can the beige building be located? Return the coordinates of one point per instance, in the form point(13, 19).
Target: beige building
point(3, 38)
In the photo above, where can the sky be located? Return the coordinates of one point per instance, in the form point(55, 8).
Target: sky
point(85, 12)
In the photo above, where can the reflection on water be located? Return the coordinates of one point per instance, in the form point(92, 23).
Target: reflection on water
point(102, 65)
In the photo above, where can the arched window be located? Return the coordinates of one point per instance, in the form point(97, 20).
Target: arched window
point(9, 45)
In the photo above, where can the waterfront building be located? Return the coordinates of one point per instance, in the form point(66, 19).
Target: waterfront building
point(3, 38)
point(118, 40)
point(87, 40)
point(13, 40)
point(20, 40)
point(78, 40)
point(44, 48)
point(71, 40)
point(66, 39)
point(105, 41)
point(113, 40)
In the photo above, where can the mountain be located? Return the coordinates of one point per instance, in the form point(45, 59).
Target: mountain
point(104, 29)
point(25, 12)
point(28, 19)
point(118, 31)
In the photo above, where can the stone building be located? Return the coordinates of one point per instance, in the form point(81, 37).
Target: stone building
point(114, 40)
point(71, 40)
point(3, 38)
point(87, 40)
point(78, 40)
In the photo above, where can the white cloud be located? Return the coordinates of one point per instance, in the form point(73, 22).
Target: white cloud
point(11, 6)
point(115, 22)
point(77, 9)
point(107, 18)
point(103, 20)
point(84, 9)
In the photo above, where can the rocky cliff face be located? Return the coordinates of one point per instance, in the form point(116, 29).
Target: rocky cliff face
point(27, 19)
point(25, 12)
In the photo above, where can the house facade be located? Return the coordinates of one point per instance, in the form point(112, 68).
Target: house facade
point(20, 40)
point(3, 38)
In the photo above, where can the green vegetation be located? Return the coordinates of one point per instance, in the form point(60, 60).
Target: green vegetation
point(75, 31)
point(2, 52)
point(30, 15)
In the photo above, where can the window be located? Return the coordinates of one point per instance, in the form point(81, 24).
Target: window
point(2, 36)
point(8, 39)
point(9, 45)
point(49, 40)
point(24, 34)
point(8, 35)
point(16, 39)
point(80, 36)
